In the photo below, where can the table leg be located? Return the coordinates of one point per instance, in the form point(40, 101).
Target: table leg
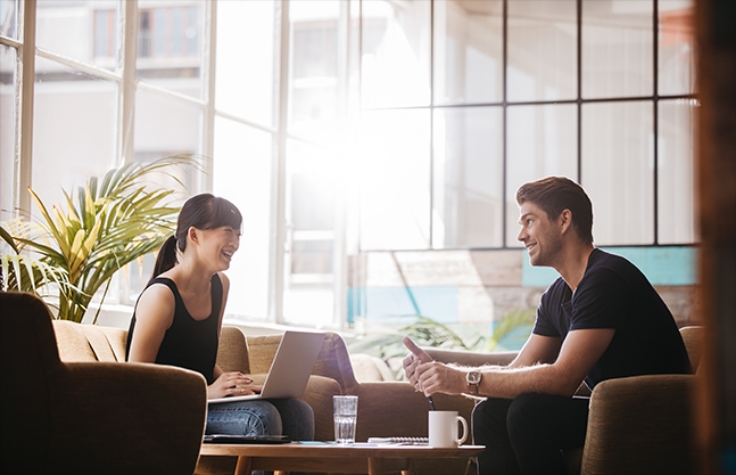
point(376, 466)
point(410, 469)
point(244, 466)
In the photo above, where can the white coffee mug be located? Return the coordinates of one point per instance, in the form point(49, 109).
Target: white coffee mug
point(443, 429)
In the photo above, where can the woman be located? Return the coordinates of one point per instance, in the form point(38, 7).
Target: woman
point(178, 317)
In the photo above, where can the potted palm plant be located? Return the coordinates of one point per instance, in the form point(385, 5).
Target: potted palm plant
point(78, 248)
point(22, 273)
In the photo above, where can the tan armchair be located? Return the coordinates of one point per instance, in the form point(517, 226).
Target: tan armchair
point(90, 418)
point(636, 425)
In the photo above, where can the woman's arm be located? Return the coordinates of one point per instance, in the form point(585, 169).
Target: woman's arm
point(154, 314)
point(233, 383)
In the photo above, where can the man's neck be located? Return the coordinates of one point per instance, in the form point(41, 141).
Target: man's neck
point(573, 262)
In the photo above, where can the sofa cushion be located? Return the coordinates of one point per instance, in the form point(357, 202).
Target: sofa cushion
point(370, 368)
point(334, 362)
point(232, 352)
point(80, 342)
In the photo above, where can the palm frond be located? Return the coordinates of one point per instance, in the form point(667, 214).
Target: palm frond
point(111, 222)
point(8, 239)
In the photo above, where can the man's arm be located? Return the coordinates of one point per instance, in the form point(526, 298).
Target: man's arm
point(579, 352)
point(538, 349)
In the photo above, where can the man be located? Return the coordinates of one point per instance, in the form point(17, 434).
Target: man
point(601, 319)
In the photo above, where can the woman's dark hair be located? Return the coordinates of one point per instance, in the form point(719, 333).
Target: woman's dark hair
point(203, 211)
point(555, 194)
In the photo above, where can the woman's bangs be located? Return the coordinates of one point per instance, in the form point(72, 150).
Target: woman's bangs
point(226, 214)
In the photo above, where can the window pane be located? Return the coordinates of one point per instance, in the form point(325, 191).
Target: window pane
point(311, 212)
point(676, 47)
point(542, 50)
point(9, 18)
point(315, 82)
point(617, 171)
point(170, 42)
point(676, 198)
point(240, 91)
point(617, 48)
point(165, 126)
point(7, 130)
point(468, 54)
point(394, 178)
point(396, 53)
point(96, 21)
point(542, 141)
point(242, 174)
point(74, 123)
point(468, 176)
point(105, 48)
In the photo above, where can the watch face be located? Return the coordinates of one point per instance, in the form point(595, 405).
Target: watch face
point(473, 377)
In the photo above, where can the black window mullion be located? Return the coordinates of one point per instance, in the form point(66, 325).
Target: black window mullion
point(431, 123)
point(655, 116)
point(579, 41)
point(504, 104)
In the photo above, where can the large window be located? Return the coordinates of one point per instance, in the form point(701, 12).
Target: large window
point(261, 96)
point(341, 127)
point(600, 91)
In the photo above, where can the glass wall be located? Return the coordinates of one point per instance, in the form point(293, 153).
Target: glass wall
point(524, 89)
point(339, 127)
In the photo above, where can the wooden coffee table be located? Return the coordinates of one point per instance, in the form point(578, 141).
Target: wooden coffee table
point(373, 459)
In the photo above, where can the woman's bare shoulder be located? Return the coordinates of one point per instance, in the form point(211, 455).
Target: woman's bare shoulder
point(157, 301)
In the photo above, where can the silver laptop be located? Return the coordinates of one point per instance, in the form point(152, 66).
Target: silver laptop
point(290, 370)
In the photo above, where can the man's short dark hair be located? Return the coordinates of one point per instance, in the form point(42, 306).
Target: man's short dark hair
point(555, 194)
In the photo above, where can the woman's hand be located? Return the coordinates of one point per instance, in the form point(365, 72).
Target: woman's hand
point(232, 384)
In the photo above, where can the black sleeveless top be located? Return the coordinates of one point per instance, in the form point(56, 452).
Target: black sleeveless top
point(188, 343)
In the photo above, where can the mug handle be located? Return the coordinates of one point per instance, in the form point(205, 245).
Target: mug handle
point(465, 429)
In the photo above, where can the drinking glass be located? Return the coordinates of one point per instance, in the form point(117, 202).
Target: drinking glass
point(345, 412)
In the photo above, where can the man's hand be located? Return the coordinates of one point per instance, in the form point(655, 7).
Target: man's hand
point(435, 377)
point(231, 384)
point(428, 376)
point(414, 359)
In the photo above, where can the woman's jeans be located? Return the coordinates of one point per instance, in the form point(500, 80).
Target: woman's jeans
point(290, 417)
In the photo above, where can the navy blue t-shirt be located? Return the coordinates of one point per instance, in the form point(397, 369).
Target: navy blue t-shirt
point(615, 294)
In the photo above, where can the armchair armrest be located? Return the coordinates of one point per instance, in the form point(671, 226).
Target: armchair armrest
point(470, 358)
point(640, 424)
point(117, 418)
point(318, 395)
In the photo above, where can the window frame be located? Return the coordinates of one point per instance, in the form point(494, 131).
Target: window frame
point(579, 101)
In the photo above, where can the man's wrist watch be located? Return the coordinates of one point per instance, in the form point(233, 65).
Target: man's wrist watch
point(472, 378)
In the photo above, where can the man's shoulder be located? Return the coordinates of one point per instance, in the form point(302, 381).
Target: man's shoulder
point(607, 263)
point(557, 292)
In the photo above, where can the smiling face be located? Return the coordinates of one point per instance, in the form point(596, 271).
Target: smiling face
point(540, 236)
point(218, 245)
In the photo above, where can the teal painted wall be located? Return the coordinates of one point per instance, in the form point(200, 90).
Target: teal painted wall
point(662, 266)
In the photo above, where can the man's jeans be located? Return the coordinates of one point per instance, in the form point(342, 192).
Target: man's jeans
point(526, 434)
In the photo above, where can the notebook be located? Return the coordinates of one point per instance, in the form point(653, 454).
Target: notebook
point(290, 370)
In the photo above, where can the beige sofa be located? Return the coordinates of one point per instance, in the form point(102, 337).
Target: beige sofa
point(386, 408)
point(620, 438)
